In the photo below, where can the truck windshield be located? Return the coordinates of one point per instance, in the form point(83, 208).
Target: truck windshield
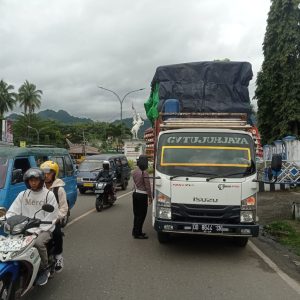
point(90, 165)
point(3, 171)
point(208, 153)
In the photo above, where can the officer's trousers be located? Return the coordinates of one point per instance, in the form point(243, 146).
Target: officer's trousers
point(140, 206)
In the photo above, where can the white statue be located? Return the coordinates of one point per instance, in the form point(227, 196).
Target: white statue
point(137, 123)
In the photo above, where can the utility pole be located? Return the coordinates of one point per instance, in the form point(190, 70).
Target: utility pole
point(121, 100)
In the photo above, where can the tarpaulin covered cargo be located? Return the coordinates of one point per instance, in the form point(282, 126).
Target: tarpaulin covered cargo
point(215, 86)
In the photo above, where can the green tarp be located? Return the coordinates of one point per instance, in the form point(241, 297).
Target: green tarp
point(151, 105)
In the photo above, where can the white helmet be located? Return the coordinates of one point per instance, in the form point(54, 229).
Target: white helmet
point(106, 165)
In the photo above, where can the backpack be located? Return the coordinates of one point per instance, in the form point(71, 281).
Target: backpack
point(55, 192)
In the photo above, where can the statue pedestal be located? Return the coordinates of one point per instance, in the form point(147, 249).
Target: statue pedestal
point(134, 148)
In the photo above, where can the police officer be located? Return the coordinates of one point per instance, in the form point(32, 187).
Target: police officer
point(141, 196)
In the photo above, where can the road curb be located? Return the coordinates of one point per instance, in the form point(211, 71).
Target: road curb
point(284, 260)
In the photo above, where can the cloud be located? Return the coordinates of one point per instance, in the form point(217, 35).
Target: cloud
point(68, 48)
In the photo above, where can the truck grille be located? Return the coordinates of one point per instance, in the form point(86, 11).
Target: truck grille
point(216, 214)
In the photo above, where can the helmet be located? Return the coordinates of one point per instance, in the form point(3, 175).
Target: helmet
point(105, 165)
point(49, 166)
point(34, 173)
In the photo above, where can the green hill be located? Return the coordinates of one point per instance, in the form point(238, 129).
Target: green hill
point(61, 116)
point(64, 117)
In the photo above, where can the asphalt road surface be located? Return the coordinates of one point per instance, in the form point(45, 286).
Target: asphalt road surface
point(103, 261)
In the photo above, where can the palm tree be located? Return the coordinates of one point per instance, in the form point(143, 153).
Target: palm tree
point(29, 97)
point(7, 98)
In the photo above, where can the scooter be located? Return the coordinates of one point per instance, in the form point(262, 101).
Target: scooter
point(104, 196)
point(19, 259)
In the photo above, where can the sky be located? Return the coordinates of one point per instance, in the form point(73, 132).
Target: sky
point(68, 48)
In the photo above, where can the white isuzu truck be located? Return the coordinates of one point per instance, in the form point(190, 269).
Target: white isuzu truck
point(205, 177)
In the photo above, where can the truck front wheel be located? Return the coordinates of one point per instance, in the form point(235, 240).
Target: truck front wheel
point(163, 237)
point(241, 241)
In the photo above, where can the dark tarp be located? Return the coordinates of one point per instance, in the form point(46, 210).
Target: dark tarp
point(203, 87)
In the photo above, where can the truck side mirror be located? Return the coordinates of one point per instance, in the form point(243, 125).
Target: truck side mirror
point(276, 163)
point(17, 176)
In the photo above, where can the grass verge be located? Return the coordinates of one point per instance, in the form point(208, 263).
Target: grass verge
point(287, 232)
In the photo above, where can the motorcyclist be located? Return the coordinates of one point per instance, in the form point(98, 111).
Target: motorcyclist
point(108, 176)
point(27, 203)
point(56, 185)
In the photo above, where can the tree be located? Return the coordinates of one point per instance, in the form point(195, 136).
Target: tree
point(278, 82)
point(49, 131)
point(29, 97)
point(7, 98)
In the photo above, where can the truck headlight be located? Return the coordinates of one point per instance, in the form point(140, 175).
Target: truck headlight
point(249, 203)
point(163, 206)
point(79, 179)
point(248, 210)
point(164, 213)
point(162, 199)
point(247, 216)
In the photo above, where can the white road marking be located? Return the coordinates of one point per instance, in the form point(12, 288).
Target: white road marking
point(290, 281)
point(90, 211)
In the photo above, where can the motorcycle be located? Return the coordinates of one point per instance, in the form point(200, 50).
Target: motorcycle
point(104, 195)
point(19, 259)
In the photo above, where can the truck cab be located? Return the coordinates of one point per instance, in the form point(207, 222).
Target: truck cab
point(205, 177)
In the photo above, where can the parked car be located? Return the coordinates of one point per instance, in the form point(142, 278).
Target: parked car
point(90, 167)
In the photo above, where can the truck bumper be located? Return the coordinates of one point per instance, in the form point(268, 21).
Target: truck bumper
point(245, 230)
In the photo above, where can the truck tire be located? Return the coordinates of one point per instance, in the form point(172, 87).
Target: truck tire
point(82, 190)
point(241, 241)
point(163, 237)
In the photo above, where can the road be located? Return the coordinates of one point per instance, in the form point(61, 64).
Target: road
point(103, 261)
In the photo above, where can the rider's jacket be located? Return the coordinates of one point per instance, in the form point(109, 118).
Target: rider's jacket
point(29, 202)
point(105, 174)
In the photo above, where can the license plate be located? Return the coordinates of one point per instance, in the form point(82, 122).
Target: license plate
point(99, 191)
point(88, 184)
point(207, 228)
